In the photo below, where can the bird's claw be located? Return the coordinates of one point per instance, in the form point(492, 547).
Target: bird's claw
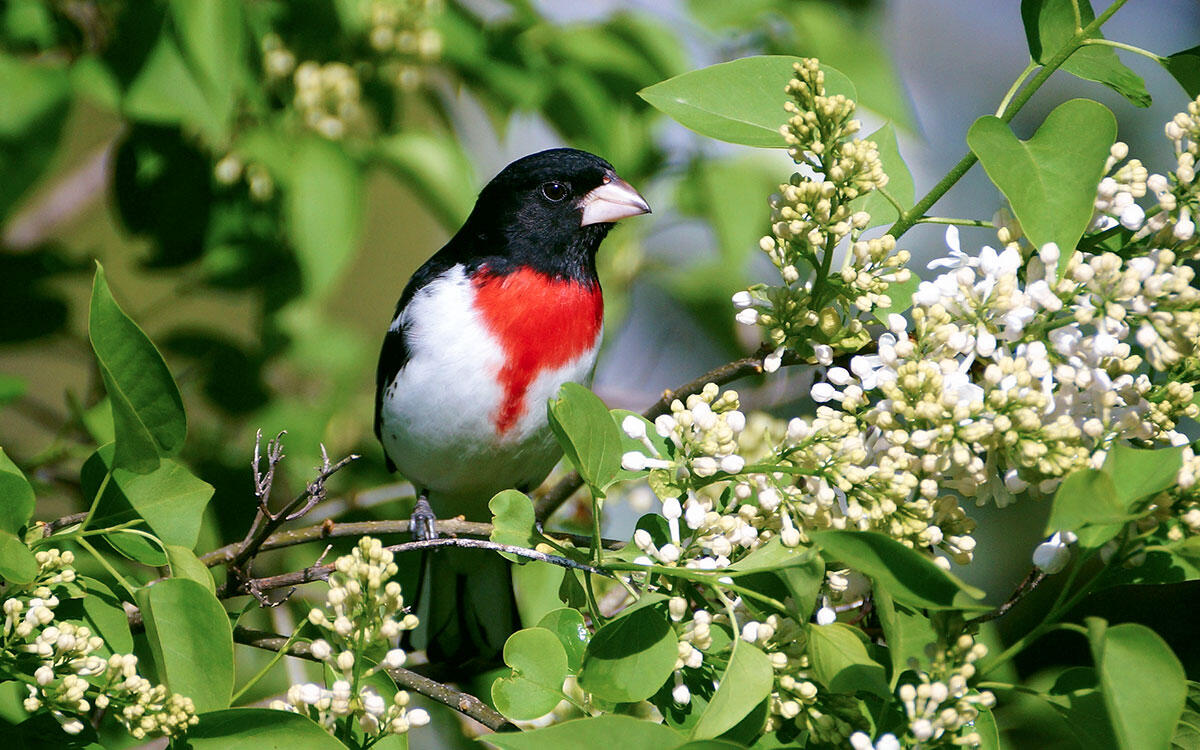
point(422, 520)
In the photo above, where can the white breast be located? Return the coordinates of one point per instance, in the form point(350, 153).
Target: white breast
point(438, 414)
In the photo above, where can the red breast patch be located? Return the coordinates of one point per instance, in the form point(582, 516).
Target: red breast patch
point(541, 322)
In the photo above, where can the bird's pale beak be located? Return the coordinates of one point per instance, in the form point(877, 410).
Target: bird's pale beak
point(615, 199)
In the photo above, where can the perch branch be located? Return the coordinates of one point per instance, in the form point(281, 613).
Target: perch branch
point(1027, 585)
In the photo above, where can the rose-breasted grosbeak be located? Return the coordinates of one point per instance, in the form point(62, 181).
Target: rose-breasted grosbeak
point(485, 332)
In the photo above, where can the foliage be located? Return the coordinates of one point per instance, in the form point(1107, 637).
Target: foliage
point(796, 583)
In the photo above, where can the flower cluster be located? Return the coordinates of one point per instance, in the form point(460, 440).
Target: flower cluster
point(68, 677)
point(940, 707)
point(362, 619)
point(810, 216)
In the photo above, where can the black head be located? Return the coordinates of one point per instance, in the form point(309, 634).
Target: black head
point(549, 210)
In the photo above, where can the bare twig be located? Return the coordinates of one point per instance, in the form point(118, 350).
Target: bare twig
point(462, 702)
point(1027, 585)
point(61, 523)
point(726, 373)
point(321, 572)
point(293, 537)
point(265, 521)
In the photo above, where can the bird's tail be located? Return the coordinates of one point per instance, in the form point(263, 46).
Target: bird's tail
point(467, 608)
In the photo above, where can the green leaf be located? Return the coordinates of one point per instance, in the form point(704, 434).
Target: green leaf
point(568, 626)
point(1049, 180)
point(192, 641)
point(900, 181)
point(148, 414)
point(106, 616)
point(185, 564)
point(840, 660)
point(740, 101)
point(631, 656)
point(901, 294)
point(259, 729)
point(539, 666)
point(1142, 681)
point(587, 434)
point(1049, 26)
point(437, 168)
point(17, 563)
point(166, 92)
point(594, 733)
point(513, 522)
point(137, 547)
point(910, 577)
point(170, 499)
point(801, 570)
point(1138, 474)
point(324, 212)
point(11, 388)
point(212, 39)
point(1077, 699)
point(16, 496)
point(1184, 67)
point(987, 729)
point(36, 99)
point(906, 632)
point(747, 681)
point(1086, 503)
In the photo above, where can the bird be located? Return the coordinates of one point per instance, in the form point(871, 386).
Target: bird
point(485, 332)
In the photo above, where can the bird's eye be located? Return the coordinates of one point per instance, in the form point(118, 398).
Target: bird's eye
point(554, 191)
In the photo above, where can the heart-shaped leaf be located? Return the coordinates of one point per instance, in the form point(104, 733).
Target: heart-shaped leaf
point(539, 666)
point(631, 656)
point(568, 625)
point(587, 434)
point(1050, 180)
point(513, 522)
point(740, 101)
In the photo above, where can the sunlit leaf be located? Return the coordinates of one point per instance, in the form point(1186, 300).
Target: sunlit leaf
point(539, 666)
point(192, 641)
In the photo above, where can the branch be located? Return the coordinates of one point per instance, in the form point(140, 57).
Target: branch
point(464, 703)
point(266, 522)
point(258, 586)
point(726, 373)
point(1027, 585)
point(330, 530)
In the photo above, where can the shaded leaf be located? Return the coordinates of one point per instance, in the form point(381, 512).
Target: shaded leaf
point(594, 733)
point(1184, 67)
point(259, 729)
point(36, 99)
point(437, 168)
point(185, 564)
point(840, 660)
point(17, 563)
point(746, 682)
point(568, 625)
point(631, 656)
point(16, 496)
point(1050, 25)
point(906, 632)
point(323, 212)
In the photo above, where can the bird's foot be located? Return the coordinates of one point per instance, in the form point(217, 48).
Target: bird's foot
point(422, 520)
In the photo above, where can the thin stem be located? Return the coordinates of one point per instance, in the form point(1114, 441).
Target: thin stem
point(1015, 87)
point(1014, 105)
point(107, 566)
point(1127, 47)
point(274, 660)
point(96, 500)
point(956, 222)
point(697, 576)
point(890, 199)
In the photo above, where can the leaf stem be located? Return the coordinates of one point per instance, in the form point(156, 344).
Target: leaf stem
point(1127, 47)
point(107, 566)
point(274, 660)
point(956, 222)
point(1015, 87)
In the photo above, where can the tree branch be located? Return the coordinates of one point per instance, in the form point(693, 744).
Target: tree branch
point(1027, 585)
point(330, 530)
point(462, 702)
point(258, 586)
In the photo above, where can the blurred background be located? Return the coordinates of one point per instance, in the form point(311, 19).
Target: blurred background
point(260, 178)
